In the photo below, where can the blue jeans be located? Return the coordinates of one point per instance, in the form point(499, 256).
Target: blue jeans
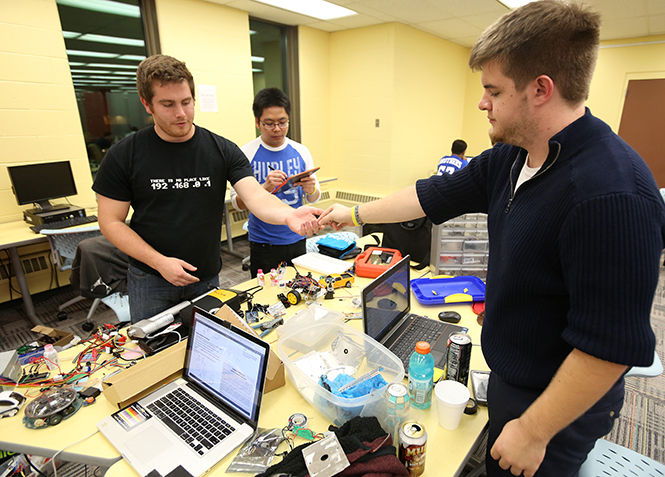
point(150, 294)
point(568, 449)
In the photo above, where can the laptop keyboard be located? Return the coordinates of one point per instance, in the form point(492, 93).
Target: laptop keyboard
point(420, 329)
point(190, 420)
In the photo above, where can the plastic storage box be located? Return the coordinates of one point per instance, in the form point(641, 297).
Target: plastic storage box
point(329, 348)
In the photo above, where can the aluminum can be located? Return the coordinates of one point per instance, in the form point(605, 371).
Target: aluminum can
point(459, 357)
point(412, 443)
point(397, 405)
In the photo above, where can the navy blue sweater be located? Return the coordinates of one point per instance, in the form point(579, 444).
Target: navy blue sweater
point(574, 252)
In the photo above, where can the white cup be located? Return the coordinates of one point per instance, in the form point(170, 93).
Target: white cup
point(451, 399)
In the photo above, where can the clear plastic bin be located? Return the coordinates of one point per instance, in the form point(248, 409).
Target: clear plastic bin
point(331, 348)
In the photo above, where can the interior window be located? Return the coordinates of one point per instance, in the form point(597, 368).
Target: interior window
point(105, 43)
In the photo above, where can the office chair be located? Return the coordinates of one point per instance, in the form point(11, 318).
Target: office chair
point(78, 248)
point(656, 369)
point(610, 459)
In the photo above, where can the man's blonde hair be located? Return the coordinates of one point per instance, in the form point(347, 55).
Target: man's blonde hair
point(164, 69)
point(547, 37)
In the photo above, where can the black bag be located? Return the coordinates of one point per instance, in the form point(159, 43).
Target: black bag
point(413, 237)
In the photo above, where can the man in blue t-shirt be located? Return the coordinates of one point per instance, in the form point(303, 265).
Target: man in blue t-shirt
point(450, 164)
point(273, 158)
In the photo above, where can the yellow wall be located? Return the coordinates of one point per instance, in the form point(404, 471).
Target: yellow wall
point(314, 61)
point(645, 59)
point(429, 88)
point(214, 42)
point(414, 84)
point(39, 120)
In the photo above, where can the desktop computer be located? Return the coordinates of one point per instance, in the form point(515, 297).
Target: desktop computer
point(37, 217)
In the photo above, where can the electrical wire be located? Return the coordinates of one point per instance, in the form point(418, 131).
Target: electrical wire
point(33, 466)
point(55, 470)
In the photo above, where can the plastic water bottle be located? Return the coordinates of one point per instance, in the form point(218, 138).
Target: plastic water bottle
point(260, 277)
point(421, 374)
point(51, 357)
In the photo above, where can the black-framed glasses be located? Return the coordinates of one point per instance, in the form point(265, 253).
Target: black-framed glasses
point(271, 125)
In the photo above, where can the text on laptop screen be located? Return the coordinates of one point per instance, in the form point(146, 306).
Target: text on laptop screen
point(386, 299)
point(226, 365)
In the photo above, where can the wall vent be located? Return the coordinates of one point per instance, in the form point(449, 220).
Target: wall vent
point(325, 195)
point(30, 265)
point(239, 215)
point(355, 198)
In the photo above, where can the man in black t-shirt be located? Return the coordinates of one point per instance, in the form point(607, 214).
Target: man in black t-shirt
point(174, 176)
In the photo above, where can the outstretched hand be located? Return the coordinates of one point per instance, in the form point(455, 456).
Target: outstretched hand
point(336, 216)
point(304, 220)
point(174, 271)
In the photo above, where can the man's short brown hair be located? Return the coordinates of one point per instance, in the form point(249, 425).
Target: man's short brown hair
point(547, 37)
point(164, 69)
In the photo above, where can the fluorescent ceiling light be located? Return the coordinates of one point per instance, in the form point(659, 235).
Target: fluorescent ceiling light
point(113, 40)
point(102, 77)
point(100, 72)
point(95, 54)
point(132, 57)
point(257, 70)
point(76, 63)
point(252, 32)
point(71, 34)
point(312, 8)
point(129, 73)
point(110, 65)
point(104, 6)
point(515, 3)
point(258, 59)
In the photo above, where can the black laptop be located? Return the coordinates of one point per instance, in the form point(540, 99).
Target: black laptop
point(386, 303)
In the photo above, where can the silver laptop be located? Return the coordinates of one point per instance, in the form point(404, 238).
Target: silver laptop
point(197, 420)
point(386, 303)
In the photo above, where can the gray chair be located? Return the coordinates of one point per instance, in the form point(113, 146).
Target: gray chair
point(84, 248)
point(608, 459)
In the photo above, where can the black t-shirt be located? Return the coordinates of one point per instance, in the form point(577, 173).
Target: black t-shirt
point(177, 191)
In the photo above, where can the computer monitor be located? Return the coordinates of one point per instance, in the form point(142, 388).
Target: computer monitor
point(38, 183)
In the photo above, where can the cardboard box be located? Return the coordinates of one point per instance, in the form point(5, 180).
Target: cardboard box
point(275, 373)
point(60, 337)
point(132, 384)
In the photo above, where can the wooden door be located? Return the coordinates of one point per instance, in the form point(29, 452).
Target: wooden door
point(643, 123)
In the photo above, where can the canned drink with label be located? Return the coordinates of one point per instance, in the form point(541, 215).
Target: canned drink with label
point(459, 357)
point(412, 443)
point(397, 405)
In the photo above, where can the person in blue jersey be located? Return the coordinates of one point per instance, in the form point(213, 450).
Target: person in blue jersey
point(273, 158)
point(174, 176)
point(576, 228)
point(454, 162)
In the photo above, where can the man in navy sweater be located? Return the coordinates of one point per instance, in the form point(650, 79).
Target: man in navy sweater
point(576, 227)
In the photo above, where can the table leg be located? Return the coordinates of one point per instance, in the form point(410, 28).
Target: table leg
point(23, 285)
point(229, 236)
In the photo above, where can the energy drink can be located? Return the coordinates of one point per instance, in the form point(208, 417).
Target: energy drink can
point(412, 442)
point(459, 357)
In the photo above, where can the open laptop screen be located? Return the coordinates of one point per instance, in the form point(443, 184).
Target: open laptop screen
point(227, 363)
point(387, 299)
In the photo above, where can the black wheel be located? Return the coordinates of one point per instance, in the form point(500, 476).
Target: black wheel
point(294, 297)
point(87, 326)
point(61, 316)
point(348, 285)
point(54, 420)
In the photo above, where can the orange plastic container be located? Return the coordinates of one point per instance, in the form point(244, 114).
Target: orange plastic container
point(376, 260)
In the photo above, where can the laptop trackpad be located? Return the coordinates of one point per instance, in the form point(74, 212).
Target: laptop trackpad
point(147, 443)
